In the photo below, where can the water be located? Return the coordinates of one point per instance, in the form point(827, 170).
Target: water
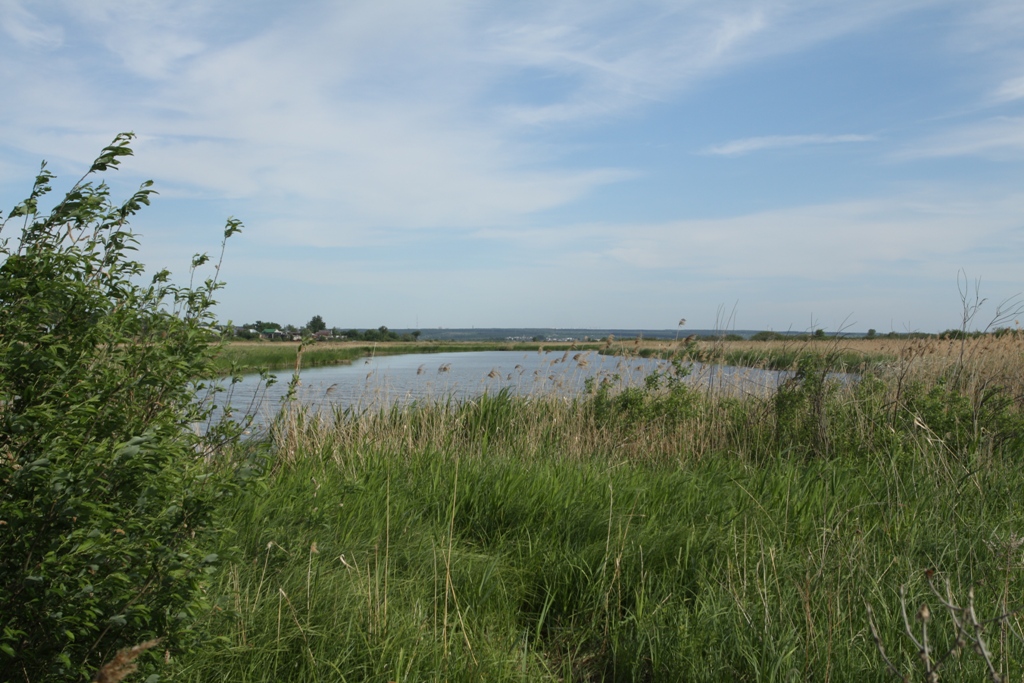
point(383, 381)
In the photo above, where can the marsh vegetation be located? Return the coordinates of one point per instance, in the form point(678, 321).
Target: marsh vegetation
point(659, 532)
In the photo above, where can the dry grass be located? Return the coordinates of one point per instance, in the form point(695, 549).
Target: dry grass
point(1002, 347)
point(981, 360)
point(123, 664)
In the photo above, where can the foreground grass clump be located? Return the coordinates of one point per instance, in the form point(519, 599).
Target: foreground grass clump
point(658, 534)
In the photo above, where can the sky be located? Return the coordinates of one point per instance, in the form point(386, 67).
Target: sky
point(765, 164)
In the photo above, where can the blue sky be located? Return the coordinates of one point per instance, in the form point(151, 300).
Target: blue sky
point(795, 164)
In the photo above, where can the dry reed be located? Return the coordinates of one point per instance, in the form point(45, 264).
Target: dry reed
point(123, 664)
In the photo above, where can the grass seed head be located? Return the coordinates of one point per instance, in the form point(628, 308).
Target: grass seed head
point(123, 664)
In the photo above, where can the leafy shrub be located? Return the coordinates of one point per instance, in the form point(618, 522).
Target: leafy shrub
point(105, 497)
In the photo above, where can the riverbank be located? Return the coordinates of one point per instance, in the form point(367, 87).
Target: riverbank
point(244, 357)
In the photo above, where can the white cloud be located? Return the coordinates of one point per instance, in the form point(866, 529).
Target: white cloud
point(878, 259)
point(917, 236)
point(825, 242)
point(995, 138)
point(756, 144)
point(27, 30)
point(1009, 90)
point(988, 33)
point(351, 111)
point(990, 25)
point(393, 112)
point(149, 40)
point(623, 55)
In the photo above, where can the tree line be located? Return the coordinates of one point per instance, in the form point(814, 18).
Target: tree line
point(316, 324)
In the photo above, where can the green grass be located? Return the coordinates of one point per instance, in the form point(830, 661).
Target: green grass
point(646, 536)
point(245, 358)
point(786, 359)
point(767, 358)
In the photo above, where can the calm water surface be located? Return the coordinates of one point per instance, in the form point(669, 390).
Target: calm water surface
point(383, 381)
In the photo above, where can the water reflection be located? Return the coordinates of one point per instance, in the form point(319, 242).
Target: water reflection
point(380, 382)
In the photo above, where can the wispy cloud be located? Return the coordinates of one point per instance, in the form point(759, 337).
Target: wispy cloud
point(998, 138)
point(990, 25)
point(1009, 90)
point(989, 33)
point(824, 242)
point(25, 29)
point(757, 144)
point(894, 257)
point(621, 55)
point(923, 234)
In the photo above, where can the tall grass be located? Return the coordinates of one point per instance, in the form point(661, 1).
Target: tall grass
point(847, 355)
point(660, 533)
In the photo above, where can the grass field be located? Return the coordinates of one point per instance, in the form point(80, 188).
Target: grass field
point(655, 534)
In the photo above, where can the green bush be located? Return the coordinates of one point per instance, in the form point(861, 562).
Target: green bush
point(105, 490)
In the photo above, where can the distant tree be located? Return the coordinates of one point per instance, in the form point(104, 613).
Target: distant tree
point(316, 324)
point(416, 335)
point(767, 335)
point(382, 333)
point(819, 333)
point(872, 333)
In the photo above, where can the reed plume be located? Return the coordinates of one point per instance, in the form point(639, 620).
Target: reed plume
point(123, 664)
